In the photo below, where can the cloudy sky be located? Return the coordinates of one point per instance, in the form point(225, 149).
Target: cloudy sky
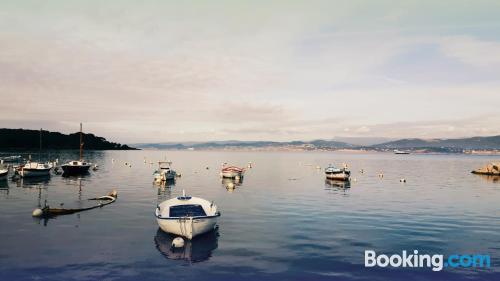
point(147, 71)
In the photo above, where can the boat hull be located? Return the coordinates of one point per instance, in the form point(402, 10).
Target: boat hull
point(231, 174)
point(31, 173)
point(338, 176)
point(75, 170)
point(188, 227)
point(3, 174)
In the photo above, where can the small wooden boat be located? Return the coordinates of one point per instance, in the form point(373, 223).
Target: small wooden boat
point(47, 211)
point(333, 173)
point(232, 172)
point(187, 216)
point(492, 169)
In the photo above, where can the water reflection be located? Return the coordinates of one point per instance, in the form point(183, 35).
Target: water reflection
point(487, 178)
point(35, 182)
point(197, 250)
point(231, 184)
point(4, 185)
point(165, 190)
point(336, 185)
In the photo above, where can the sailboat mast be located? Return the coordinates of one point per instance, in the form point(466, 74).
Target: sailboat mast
point(81, 143)
point(40, 148)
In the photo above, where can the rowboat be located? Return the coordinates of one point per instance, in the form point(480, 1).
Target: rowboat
point(232, 172)
point(187, 216)
point(47, 211)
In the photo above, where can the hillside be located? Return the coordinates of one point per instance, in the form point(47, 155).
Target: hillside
point(20, 139)
point(316, 144)
point(477, 143)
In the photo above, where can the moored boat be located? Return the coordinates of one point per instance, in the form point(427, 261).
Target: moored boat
point(77, 167)
point(164, 172)
point(35, 169)
point(11, 159)
point(401, 152)
point(492, 169)
point(3, 173)
point(334, 173)
point(187, 216)
point(232, 172)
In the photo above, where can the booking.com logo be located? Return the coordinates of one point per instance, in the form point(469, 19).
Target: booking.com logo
point(436, 262)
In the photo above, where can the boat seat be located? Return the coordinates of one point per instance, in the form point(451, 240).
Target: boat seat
point(187, 211)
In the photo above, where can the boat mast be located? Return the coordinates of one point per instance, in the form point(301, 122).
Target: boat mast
point(81, 143)
point(40, 148)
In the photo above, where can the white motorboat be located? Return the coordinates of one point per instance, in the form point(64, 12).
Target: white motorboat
point(78, 167)
point(334, 173)
point(164, 172)
point(187, 216)
point(232, 172)
point(35, 169)
point(401, 152)
point(3, 172)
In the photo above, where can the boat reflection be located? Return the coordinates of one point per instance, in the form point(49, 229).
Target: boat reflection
point(164, 190)
point(4, 184)
point(231, 183)
point(337, 185)
point(197, 250)
point(36, 182)
point(488, 178)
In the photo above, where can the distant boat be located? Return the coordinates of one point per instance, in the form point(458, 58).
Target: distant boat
point(232, 172)
point(401, 152)
point(11, 159)
point(334, 173)
point(187, 216)
point(3, 173)
point(164, 172)
point(35, 169)
point(77, 167)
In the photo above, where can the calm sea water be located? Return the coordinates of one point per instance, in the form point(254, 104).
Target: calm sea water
point(284, 222)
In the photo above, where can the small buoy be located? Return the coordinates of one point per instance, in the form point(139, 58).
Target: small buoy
point(207, 168)
point(178, 242)
point(402, 180)
point(37, 212)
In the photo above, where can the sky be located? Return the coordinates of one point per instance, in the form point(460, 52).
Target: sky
point(171, 71)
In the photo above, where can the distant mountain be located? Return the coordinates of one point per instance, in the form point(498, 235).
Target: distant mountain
point(247, 144)
point(20, 139)
point(477, 143)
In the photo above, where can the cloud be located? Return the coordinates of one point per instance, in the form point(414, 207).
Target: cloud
point(471, 50)
point(170, 71)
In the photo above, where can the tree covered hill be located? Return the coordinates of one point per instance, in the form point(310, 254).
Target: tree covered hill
point(20, 139)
